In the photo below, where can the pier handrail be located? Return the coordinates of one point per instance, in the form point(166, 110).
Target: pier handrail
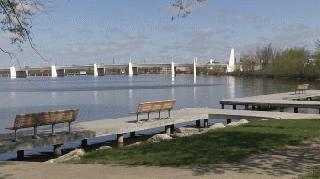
point(43, 118)
point(155, 106)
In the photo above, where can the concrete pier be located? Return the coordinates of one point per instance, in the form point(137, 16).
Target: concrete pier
point(279, 100)
point(127, 125)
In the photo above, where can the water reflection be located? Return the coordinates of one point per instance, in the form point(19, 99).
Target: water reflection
point(231, 86)
point(54, 98)
point(120, 94)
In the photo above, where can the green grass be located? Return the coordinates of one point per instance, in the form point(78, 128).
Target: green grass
point(219, 146)
point(314, 174)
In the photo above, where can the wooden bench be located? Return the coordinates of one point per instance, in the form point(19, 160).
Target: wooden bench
point(301, 88)
point(43, 118)
point(156, 106)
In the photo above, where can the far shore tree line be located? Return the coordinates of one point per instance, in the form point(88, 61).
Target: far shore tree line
point(268, 61)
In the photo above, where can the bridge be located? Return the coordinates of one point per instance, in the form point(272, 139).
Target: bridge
point(129, 69)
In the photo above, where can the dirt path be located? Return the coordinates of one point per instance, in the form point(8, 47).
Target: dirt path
point(288, 162)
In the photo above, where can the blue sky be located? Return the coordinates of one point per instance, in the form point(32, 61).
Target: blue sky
point(96, 31)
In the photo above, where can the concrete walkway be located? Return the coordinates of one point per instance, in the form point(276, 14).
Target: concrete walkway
point(288, 162)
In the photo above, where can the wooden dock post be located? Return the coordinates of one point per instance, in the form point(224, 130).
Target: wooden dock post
point(20, 154)
point(172, 128)
point(167, 129)
point(132, 134)
point(246, 107)
point(234, 107)
point(281, 109)
point(120, 140)
point(259, 108)
point(198, 122)
point(84, 143)
point(57, 149)
point(296, 110)
point(206, 123)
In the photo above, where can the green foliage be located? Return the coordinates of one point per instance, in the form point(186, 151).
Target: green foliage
point(290, 63)
point(230, 144)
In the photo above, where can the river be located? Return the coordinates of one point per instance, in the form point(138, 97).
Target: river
point(115, 96)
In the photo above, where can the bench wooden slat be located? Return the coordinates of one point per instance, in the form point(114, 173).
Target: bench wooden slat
point(156, 106)
point(44, 118)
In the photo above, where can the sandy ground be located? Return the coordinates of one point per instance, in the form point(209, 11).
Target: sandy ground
point(288, 162)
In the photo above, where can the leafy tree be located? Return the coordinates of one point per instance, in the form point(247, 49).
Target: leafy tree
point(16, 21)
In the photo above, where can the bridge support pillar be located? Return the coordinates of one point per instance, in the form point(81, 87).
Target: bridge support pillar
point(54, 73)
point(95, 70)
point(13, 72)
point(130, 70)
point(173, 71)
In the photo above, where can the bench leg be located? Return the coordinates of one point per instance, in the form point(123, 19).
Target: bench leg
point(15, 136)
point(69, 127)
point(148, 116)
point(159, 114)
point(137, 117)
point(52, 130)
point(169, 113)
point(35, 133)
point(222, 106)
